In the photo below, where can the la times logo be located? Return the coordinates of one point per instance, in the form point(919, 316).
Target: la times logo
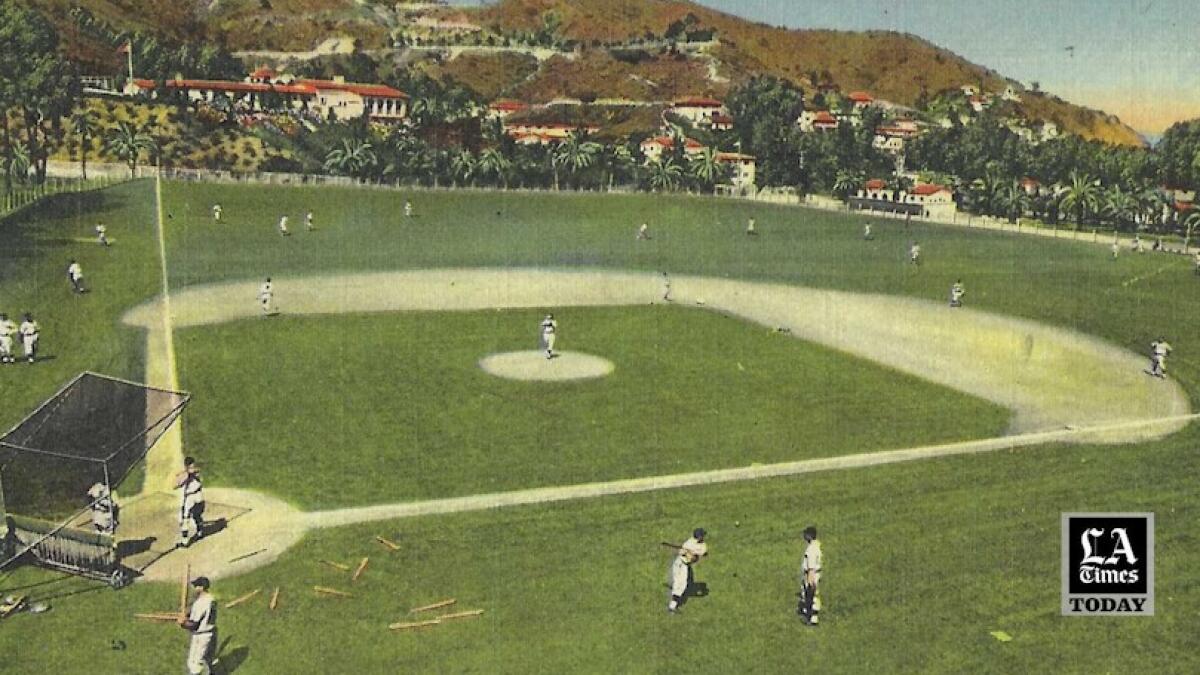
point(1108, 564)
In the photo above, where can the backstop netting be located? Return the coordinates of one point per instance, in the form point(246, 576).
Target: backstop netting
point(95, 430)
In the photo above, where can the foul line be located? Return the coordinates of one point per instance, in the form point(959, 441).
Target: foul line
point(483, 502)
point(168, 334)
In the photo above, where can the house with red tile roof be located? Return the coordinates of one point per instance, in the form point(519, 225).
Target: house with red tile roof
point(654, 147)
point(817, 120)
point(927, 200)
point(703, 112)
point(263, 90)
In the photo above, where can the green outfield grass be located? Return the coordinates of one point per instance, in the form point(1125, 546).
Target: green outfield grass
point(78, 332)
point(399, 401)
point(922, 561)
point(1072, 284)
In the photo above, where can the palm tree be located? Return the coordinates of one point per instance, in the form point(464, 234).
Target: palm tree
point(351, 158)
point(1190, 223)
point(464, 166)
point(493, 163)
point(16, 164)
point(847, 183)
point(706, 169)
point(1121, 207)
point(1081, 197)
point(620, 161)
point(1015, 201)
point(84, 124)
point(577, 154)
point(664, 175)
point(986, 192)
point(127, 142)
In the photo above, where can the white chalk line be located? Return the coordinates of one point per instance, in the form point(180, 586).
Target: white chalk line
point(484, 502)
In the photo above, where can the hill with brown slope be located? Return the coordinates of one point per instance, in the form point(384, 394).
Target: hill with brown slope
point(896, 67)
point(893, 66)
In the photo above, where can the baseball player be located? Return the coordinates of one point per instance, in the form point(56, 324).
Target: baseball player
point(201, 622)
point(216, 211)
point(266, 294)
point(7, 330)
point(75, 274)
point(867, 236)
point(643, 232)
point(1116, 249)
point(29, 331)
point(681, 576)
point(810, 578)
point(750, 228)
point(956, 294)
point(283, 228)
point(1196, 262)
point(914, 253)
point(1136, 244)
point(104, 509)
point(191, 507)
point(1159, 349)
point(549, 329)
point(102, 234)
point(408, 209)
point(308, 221)
point(666, 286)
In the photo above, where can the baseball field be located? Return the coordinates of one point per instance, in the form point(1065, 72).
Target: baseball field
point(801, 376)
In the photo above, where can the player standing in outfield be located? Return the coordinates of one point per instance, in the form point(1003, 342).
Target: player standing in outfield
point(30, 332)
point(201, 622)
point(681, 576)
point(956, 293)
point(1196, 262)
point(191, 507)
point(102, 234)
point(266, 294)
point(750, 228)
point(1159, 349)
point(7, 330)
point(666, 286)
point(1116, 249)
point(549, 331)
point(283, 228)
point(104, 509)
point(216, 211)
point(810, 578)
point(408, 209)
point(643, 232)
point(1136, 244)
point(914, 253)
point(867, 236)
point(75, 274)
point(308, 221)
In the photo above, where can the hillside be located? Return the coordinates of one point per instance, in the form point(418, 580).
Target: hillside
point(896, 67)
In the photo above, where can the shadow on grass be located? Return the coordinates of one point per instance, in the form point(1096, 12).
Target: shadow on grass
point(230, 661)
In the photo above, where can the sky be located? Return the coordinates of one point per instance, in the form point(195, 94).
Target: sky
point(1138, 59)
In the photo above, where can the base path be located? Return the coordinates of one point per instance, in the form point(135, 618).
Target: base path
point(1050, 378)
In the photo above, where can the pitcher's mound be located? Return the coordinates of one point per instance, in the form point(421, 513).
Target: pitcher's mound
point(533, 365)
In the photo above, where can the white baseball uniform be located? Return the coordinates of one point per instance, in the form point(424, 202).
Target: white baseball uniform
point(408, 209)
point(29, 338)
point(203, 615)
point(7, 329)
point(681, 567)
point(75, 273)
point(191, 507)
point(549, 328)
point(102, 234)
point(914, 253)
point(216, 210)
point(308, 221)
point(956, 295)
point(643, 231)
point(103, 509)
point(266, 293)
point(283, 225)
